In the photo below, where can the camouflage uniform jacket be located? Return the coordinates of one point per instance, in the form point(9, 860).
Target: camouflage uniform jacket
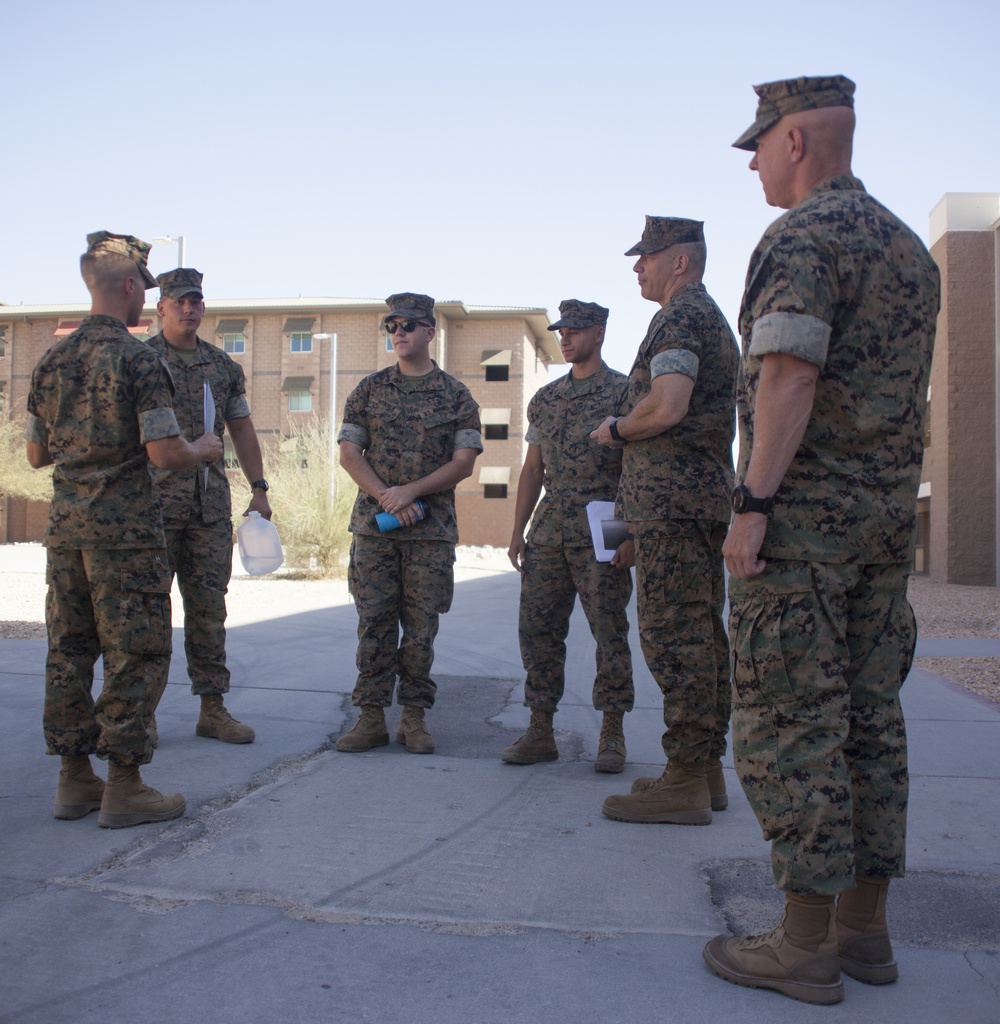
point(181, 494)
point(687, 471)
point(96, 398)
point(863, 292)
point(407, 429)
point(577, 470)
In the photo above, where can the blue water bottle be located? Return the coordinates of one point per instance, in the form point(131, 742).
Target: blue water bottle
point(387, 521)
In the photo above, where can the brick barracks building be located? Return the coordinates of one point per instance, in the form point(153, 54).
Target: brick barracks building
point(302, 357)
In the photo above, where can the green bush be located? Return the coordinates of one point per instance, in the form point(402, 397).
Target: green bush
point(17, 478)
point(311, 521)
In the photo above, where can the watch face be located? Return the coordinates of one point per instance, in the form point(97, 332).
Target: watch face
point(740, 497)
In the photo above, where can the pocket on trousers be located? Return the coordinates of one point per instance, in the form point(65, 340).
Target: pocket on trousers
point(772, 629)
point(145, 608)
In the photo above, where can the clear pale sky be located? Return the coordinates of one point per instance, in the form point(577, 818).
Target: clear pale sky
point(497, 153)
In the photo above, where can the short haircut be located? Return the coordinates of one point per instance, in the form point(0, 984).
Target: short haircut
point(697, 254)
point(104, 270)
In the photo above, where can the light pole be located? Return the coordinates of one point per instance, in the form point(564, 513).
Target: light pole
point(332, 339)
point(168, 240)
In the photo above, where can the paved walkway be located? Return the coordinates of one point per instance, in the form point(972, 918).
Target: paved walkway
point(306, 885)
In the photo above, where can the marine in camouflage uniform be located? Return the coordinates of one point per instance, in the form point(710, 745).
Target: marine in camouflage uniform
point(837, 324)
point(410, 433)
point(558, 562)
point(99, 402)
point(676, 479)
point(197, 512)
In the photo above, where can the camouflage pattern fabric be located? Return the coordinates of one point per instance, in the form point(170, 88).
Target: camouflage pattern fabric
point(553, 576)
point(575, 313)
point(410, 306)
point(687, 471)
point(776, 99)
point(398, 581)
point(175, 284)
point(559, 559)
point(181, 494)
point(96, 398)
point(201, 555)
point(842, 259)
point(128, 246)
point(115, 603)
point(820, 652)
point(680, 595)
point(577, 469)
point(663, 232)
point(407, 429)
point(823, 638)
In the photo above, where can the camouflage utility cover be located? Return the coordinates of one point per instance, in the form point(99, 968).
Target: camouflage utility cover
point(841, 282)
point(410, 306)
point(96, 398)
point(776, 99)
point(687, 471)
point(663, 232)
point(123, 245)
point(576, 314)
point(175, 284)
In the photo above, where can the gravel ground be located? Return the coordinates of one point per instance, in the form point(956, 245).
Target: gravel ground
point(942, 610)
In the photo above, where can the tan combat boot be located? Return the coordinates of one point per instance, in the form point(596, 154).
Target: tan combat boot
point(537, 744)
point(862, 932)
point(678, 797)
point(797, 959)
point(369, 731)
point(713, 776)
point(79, 790)
point(413, 732)
point(216, 723)
point(611, 751)
point(128, 801)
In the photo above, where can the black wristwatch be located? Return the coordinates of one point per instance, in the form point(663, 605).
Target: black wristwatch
point(613, 430)
point(744, 501)
point(259, 485)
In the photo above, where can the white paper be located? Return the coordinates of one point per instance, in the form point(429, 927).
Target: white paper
point(606, 532)
point(209, 413)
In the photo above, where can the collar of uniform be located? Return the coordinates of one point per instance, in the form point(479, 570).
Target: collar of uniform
point(163, 345)
point(596, 381)
point(432, 381)
point(842, 182)
point(103, 318)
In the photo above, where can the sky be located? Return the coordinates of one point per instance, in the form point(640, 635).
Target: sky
point(497, 153)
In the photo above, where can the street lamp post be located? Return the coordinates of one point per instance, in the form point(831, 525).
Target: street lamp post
point(168, 240)
point(332, 339)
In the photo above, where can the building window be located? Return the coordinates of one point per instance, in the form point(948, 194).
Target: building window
point(388, 342)
point(300, 401)
point(234, 344)
point(229, 454)
point(3, 340)
point(495, 431)
point(494, 490)
point(496, 424)
point(497, 364)
point(494, 480)
point(301, 341)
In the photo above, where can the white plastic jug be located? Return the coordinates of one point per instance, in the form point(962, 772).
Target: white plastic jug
point(259, 544)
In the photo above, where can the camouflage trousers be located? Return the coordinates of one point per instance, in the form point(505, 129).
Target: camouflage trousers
point(820, 652)
point(553, 576)
point(398, 583)
point(201, 556)
point(116, 604)
point(681, 594)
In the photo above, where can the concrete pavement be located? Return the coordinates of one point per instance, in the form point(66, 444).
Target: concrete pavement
point(306, 885)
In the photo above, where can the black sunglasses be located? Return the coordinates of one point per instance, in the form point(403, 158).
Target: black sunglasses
point(407, 325)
